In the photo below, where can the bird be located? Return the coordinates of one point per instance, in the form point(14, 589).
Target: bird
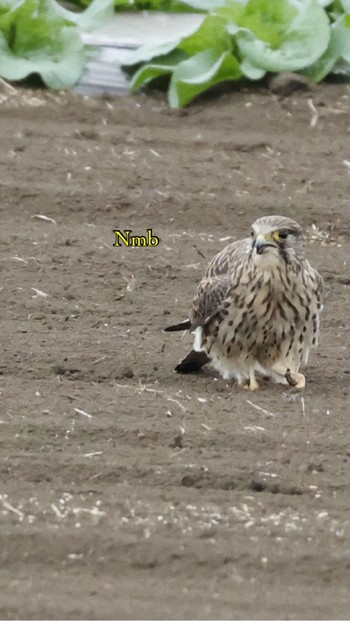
point(256, 312)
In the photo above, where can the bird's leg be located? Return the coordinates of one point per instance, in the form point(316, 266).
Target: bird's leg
point(240, 384)
point(253, 384)
point(295, 379)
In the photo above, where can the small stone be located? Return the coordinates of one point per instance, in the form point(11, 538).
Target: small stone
point(286, 84)
point(127, 372)
point(58, 369)
point(315, 468)
point(178, 443)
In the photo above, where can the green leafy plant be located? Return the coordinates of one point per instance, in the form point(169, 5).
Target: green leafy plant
point(41, 37)
point(246, 39)
point(140, 5)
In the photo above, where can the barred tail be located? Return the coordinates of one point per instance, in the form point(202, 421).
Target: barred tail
point(184, 325)
point(193, 362)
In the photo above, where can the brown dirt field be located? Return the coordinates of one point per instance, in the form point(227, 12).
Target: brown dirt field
point(128, 491)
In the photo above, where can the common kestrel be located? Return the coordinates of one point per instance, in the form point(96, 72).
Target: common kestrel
point(257, 308)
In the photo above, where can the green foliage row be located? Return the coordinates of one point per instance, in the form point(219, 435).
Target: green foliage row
point(140, 5)
point(232, 40)
point(245, 39)
point(41, 37)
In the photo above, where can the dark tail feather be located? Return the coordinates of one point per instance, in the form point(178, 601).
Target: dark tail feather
point(193, 362)
point(185, 325)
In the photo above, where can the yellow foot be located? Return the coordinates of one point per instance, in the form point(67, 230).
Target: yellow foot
point(295, 379)
point(253, 385)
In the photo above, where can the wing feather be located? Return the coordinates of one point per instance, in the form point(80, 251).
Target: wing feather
point(218, 282)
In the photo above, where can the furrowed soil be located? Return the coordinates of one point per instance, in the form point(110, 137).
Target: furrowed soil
point(127, 490)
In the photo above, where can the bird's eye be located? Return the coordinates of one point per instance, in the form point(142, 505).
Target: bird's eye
point(280, 235)
point(252, 234)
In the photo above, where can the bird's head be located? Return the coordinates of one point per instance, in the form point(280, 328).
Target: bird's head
point(275, 239)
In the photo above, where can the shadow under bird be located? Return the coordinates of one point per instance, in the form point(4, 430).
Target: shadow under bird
point(257, 309)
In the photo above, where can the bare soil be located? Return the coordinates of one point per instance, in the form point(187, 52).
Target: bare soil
point(128, 491)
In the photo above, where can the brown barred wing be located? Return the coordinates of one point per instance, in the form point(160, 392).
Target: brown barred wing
point(210, 295)
point(219, 281)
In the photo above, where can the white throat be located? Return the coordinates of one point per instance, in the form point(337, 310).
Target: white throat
point(267, 261)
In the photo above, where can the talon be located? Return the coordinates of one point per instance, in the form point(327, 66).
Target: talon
point(291, 381)
point(295, 379)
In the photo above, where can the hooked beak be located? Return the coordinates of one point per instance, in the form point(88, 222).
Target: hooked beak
point(263, 242)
